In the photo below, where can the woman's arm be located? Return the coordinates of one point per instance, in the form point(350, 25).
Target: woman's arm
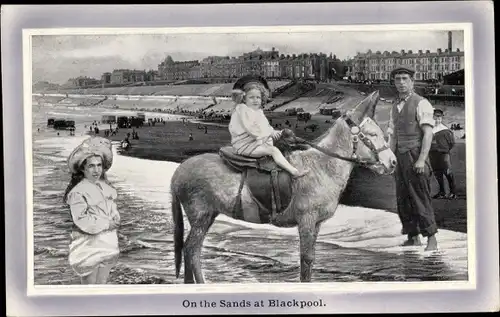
point(83, 217)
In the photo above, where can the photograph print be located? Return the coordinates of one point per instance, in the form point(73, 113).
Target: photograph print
point(249, 157)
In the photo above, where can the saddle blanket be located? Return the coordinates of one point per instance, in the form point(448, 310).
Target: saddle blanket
point(270, 186)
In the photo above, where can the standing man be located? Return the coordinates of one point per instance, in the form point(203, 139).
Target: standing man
point(410, 135)
point(442, 144)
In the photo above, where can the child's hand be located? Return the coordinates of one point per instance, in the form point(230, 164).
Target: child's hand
point(277, 134)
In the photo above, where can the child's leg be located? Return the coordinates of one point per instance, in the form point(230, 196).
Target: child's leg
point(440, 180)
point(449, 174)
point(91, 278)
point(278, 158)
point(451, 180)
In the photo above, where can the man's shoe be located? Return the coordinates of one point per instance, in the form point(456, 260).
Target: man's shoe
point(439, 196)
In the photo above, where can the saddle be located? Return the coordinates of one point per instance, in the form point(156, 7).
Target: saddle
point(270, 186)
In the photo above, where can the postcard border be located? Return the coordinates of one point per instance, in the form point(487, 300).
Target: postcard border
point(67, 290)
point(11, 150)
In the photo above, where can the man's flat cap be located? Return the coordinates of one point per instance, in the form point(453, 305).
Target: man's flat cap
point(401, 70)
point(438, 112)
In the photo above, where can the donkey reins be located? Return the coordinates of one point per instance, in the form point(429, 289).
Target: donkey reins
point(356, 136)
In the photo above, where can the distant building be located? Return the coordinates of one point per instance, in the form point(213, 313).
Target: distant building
point(373, 66)
point(171, 70)
point(260, 62)
point(221, 67)
point(82, 81)
point(456, 78)
point(152, 75)
point(126, 76)
point(106, 78)
point(194, 72)
point(271, 68)
point(269, 64)
point(427, 65)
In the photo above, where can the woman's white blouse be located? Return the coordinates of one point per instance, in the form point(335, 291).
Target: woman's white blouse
point(92, 206)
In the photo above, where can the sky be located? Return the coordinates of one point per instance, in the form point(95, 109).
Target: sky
point(56, 58)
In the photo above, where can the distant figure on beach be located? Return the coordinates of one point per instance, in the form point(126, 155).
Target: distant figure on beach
point(125, 144)
point(442, 143)
point(191, 137)
point(206, 129)
point(94, 248)
point(251, 133)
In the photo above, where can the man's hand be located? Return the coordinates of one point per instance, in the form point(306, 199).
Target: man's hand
point(390, 139)
point(419, 166)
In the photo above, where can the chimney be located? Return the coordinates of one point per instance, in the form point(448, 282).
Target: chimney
point(458, 50)
point(419, 52)
point(439, 51)
point(449, 42)
point(402, 51)
point(427, 51)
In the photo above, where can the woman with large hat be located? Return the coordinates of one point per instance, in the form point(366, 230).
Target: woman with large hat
point(94, 247)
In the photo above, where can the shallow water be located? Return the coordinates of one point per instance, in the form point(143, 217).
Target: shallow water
point(357, 244)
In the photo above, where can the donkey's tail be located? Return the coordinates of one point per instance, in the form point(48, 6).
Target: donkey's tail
point(178, 233)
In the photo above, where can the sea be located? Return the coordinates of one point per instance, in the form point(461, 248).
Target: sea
point(355, 245)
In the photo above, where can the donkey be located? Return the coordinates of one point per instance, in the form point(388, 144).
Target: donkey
point(206, 186)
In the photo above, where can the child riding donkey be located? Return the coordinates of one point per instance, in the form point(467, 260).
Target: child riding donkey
point(251, 133)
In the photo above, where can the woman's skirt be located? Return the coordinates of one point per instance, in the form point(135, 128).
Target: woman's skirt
point(87, 252)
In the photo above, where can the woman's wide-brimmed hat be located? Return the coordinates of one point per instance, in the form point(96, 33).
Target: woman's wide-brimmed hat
point(94, 146)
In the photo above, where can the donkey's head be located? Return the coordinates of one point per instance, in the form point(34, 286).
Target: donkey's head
point(367, 137)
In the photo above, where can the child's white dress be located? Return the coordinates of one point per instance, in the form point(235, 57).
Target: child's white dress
point(92, 209)
point(249, 130)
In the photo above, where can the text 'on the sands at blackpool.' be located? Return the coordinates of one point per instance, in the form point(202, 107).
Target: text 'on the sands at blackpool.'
point(256, 303)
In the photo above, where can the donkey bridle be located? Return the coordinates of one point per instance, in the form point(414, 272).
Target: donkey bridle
point(357, 135)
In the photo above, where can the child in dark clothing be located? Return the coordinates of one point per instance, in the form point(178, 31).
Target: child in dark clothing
point(439, 155)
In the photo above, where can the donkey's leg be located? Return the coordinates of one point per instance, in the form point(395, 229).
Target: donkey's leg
point(308, 233)
point(188, 271)
point(192, 249)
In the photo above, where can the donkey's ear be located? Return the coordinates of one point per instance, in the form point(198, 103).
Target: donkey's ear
point(366, 107)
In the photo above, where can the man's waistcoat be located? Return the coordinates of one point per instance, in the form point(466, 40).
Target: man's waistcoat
point(406, 126)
